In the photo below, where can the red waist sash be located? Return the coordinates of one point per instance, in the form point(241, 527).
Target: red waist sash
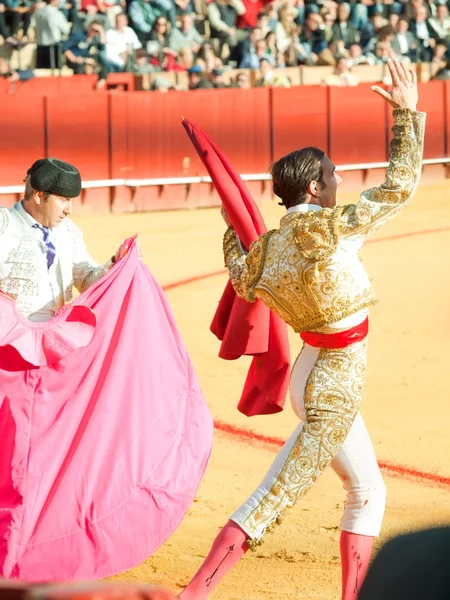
point(340, 339)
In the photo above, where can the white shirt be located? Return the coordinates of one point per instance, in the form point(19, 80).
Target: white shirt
point(40, 292)
point(403, 43)
point(118, 43)
point(51, 296)
point(422, 31)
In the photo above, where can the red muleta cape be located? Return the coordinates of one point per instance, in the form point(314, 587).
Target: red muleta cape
point(245, 328)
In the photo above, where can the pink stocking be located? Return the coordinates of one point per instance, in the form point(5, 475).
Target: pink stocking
point(355, 557)
point(229, 546)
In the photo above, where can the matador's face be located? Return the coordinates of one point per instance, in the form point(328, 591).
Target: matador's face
point(327, 193)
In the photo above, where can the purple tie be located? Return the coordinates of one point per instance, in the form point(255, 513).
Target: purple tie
point(51, 250)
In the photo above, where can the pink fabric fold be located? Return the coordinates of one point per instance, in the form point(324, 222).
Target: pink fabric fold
point(45, 343)
point(101, 453)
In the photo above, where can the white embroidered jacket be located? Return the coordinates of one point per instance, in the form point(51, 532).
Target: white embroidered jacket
point(40, 292)
point(308, 271)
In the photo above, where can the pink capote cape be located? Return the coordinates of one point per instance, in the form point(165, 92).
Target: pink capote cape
point(245, 328)
point(104, 432)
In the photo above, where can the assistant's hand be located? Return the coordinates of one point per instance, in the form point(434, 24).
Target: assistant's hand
point(123, 251)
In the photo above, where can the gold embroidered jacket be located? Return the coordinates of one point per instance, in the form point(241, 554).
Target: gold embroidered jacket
point(308, 271)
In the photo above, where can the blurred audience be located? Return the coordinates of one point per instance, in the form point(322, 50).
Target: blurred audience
point(51, 27)
point(186, 35)
point(209, 37)
point(341, 76)
point(197, 79)
point(121, 43)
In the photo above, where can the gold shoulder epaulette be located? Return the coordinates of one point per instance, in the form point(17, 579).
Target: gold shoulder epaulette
point(317, 233)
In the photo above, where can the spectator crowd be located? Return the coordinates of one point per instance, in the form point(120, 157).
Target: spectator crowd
point(206, 37)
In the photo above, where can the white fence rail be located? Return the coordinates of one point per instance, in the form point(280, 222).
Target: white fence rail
point(135, 183)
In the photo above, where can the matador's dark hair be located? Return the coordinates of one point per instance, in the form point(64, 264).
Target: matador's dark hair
point(292, 174)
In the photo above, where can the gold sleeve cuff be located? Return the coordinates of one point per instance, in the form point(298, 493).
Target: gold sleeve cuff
point(235, 261)
point(405, 155)
point(232, 248)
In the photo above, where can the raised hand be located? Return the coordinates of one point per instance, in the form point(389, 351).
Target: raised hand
point(404, 93)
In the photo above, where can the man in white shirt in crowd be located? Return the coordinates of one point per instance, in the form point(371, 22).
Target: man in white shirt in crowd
point(121, 42)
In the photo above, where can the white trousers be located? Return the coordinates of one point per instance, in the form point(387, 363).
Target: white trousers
point(355, 464)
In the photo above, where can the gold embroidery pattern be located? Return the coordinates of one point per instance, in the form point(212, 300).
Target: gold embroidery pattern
point(379, 205)
point(333, 397)
point(300, 271)
point(234, 258)
point(310, 294)
point(231, 246)
point(317, 233)
point(245, 269)
point(255, 261)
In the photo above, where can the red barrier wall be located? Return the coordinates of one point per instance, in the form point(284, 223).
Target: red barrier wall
point(138, 135)
point(432, 101)
point(447, 117)
point(78, 131)
point(154, 144)
point(22, 139)
point(357, 126)
point(120, 167)
point(299, 118)
point(4, 86)
point(81, 84)
point(37, 87)
point(49, 86)
point(120, 163)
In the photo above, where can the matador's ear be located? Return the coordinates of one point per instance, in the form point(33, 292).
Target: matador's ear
point(276, 190)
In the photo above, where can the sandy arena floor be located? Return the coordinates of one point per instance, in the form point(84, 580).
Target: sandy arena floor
point(406, 404)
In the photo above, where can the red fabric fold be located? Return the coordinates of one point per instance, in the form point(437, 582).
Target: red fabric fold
point(340, 339)
point(245, 328)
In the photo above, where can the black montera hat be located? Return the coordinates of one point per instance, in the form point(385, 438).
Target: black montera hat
point(55, 177)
